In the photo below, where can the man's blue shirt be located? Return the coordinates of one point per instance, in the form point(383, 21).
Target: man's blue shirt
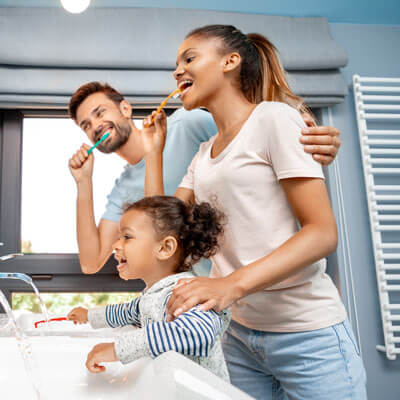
point(186, 131)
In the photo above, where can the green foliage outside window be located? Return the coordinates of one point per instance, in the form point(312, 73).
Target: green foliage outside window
point(62, 303)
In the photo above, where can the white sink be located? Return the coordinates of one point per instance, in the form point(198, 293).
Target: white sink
point(60, 366)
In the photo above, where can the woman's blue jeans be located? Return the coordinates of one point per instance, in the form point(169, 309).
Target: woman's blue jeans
point(323, 364)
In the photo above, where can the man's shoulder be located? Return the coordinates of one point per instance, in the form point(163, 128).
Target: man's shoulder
point(180, 114)
point(126, 174)
point(195, 122)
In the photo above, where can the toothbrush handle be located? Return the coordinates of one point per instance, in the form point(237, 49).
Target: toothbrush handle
point(104, 137)
point(163, 104)
point(52, 319)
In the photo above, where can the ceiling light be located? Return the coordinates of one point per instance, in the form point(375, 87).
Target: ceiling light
point(75, 6)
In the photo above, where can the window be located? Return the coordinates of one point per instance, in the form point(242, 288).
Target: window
point(62, 303)
point(35, 181)
point(49, 190)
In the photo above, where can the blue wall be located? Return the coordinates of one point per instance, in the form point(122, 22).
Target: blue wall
point(351, 11)
point(373, 51)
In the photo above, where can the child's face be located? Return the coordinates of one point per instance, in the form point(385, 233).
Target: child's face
point(137, 247)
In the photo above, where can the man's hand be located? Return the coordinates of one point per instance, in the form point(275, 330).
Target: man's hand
point(154, 134)
point(321, 141)
point(79, 315)
point(81, 164)
point(103, 352)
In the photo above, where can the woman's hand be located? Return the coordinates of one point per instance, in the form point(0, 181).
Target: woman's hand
point(103, 352)
point(321, 141)
point(79, 315)
point(210, 293)
point(154, 133)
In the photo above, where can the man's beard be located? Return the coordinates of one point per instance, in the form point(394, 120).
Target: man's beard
point(122, 131)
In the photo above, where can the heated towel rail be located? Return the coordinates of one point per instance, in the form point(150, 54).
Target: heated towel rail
point(377, 103)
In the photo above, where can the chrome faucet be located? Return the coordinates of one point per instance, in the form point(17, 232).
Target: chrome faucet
point(14, 275)
point(9, 256)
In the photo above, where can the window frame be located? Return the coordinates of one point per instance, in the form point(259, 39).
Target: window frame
point(54, 272)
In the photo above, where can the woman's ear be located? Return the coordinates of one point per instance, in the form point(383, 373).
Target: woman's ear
point(231, 61)
point(168, 247)
point(125, 108)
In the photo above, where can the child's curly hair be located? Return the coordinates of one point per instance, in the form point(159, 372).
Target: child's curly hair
point(196, 227)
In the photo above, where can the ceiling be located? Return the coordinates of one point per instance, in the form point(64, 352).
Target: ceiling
point(386, 12)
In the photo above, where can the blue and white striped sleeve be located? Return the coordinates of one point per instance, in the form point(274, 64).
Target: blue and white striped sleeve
point(115, 315)
point(193, 333)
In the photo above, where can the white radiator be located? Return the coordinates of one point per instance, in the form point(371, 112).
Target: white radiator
point(377, 102)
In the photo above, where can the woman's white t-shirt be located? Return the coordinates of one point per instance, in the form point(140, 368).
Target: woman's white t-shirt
point(243, 182)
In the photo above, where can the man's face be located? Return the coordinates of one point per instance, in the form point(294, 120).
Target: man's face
point(97, 115)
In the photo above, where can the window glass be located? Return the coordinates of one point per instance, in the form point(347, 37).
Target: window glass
point(62, 303)
point(48, 188)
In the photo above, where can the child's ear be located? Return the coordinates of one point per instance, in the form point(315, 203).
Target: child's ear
point(168, 247)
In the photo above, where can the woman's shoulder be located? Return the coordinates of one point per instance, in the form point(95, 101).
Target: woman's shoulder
point(279, 118)
point(276, 109)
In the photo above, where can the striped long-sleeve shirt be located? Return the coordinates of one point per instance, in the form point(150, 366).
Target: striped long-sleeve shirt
point(195, 333)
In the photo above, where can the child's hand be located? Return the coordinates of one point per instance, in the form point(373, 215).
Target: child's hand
point(103, 352)
point(154, 133)
point(79, 315)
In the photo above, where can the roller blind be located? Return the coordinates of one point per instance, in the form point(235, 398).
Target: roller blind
point(46, 54)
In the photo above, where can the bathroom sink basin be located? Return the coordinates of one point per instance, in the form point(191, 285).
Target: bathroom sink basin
point(59, 365)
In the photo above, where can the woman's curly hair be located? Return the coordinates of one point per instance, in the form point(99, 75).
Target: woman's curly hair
point(196, 227)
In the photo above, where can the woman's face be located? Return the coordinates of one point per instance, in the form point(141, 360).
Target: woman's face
point(136, 249)
point(200, 71)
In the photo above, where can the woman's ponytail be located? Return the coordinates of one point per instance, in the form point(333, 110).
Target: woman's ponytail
point(273, 80)
point(262, 76)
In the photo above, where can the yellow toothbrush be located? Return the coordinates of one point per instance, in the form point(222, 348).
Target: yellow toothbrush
point(162, 105)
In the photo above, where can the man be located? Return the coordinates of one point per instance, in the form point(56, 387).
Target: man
point(98, 108)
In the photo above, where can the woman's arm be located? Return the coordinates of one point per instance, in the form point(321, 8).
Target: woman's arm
point(153, 182)
point(316, 239)
point(186, 195)
point(153, 136)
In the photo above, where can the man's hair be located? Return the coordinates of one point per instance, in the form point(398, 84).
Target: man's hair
point(90, 88)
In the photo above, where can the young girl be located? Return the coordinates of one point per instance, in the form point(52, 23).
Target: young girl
point(289, 336)
point(161, 237)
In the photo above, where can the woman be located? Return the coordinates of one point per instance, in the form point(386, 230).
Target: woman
point(289, 336)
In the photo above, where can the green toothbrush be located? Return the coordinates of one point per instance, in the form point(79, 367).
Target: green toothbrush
point(104, 137)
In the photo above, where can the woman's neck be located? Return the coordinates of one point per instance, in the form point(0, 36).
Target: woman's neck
point(230, 109)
